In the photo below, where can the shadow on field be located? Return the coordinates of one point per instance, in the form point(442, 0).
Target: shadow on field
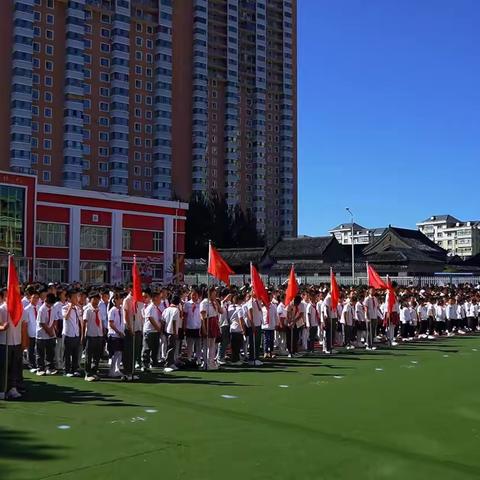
point(45, 392)
point(178, 379)
point(18, 446)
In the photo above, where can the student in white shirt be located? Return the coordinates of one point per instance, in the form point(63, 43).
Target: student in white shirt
point(152, 328)
point(440, 317)
point(133, 322)
point(31, 313)
point(171, 317)
point(348, 320)
point(237, 328)
point(210, 311)
point(281, 330)
point(10, 354)
point(371, 311)
point(58, 316)
point(451, 313)
point(269, 323)
point(405, 321)
point(72, 334)
point(116, 336)
point(93, 332)
point(329, 323)
point(164, 303)
point(193, 323)
point(295, 318)
point(312, 322)
point(360, 323)
point(471, 310)
point(224, 328)
point(45, 337)
point(254, 330)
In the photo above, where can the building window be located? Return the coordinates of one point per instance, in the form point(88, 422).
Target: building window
point(126, 239)
point(51, 271)
point(158, 241)
point(51, 234)
point(94, 237)
point(94, 273)
point(12, 205)
point(47, 176)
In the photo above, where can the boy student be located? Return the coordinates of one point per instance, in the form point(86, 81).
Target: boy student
point(164, 303)
point(46, 337)
point(116, 336)
point(312, 322)
point(224, 328)
point(269, 323)
point(371, 311)
point(72, 332)
point(58, 316)
point(193, 323)
point(152, 329)
point(133, 321)
point(93, 331)
point(31, 313)
point(172, 318)
point(295, 319)
point(237, 328)
point(254, 330)
point(348, 321)
point(11, 358)
point(329, 324)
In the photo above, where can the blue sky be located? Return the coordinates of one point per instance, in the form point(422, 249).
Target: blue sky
point(388, 110)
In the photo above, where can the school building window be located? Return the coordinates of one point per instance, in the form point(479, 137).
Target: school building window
point(51, 270)
point(158, 241)
point(51, 234)
point(12, 203)
point(94, 273)
point(126, 239)
point(94, 237)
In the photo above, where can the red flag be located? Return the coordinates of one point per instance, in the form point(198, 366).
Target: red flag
point(218, 267)
point(14, 300)
point(292, 288)
point(374, 279)
point(137, 283)
point(258, 287)
point(392, 297)
point(334, 291)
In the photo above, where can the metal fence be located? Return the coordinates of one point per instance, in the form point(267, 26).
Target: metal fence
point(421, 281)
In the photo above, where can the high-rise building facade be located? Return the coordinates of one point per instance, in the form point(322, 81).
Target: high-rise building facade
point(155, 98)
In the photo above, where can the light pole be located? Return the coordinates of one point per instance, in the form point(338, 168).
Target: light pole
point(353, 248)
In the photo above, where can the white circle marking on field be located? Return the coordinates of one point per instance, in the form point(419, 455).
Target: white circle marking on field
point(283, 386)
point(64, 427)
point(229, 397)
point(151, 410)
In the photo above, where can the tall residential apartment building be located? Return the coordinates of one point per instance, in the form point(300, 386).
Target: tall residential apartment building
point(155, 98)
point(457, 237)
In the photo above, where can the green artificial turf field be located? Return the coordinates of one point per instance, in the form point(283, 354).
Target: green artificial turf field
point(408, 413)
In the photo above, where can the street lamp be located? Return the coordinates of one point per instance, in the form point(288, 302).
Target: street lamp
point(353, 248)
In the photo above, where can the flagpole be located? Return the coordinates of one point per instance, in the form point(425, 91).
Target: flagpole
point(133, 324)
point(206, 350)
point(253, 323)
point(388, 313)
point(331, 311)
point(291, 331)
point(5, 388)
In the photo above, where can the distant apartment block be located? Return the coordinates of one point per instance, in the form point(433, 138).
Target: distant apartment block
point(458, 237)
point(361, 235)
